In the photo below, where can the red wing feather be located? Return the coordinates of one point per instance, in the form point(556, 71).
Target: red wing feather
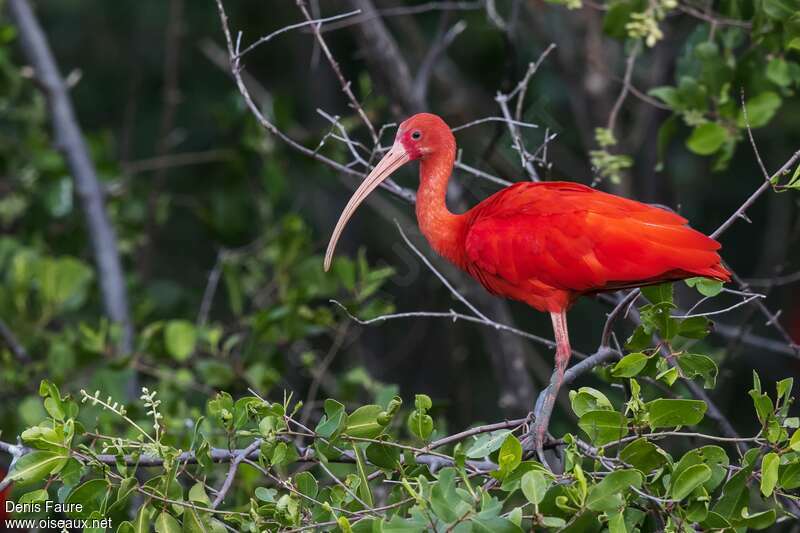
point(544, 243)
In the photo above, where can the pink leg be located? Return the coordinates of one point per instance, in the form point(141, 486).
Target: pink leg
point(544, 407)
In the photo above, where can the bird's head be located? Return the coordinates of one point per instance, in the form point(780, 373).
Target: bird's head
point(422, 135)
point(418, 137)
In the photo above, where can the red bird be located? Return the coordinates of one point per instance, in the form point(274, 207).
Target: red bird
point(545, 243)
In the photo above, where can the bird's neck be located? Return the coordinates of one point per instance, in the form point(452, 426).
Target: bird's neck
point(443, 229)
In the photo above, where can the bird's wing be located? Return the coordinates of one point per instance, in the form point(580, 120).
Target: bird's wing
point(574, 238)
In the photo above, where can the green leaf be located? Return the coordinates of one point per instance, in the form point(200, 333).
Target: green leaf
point(668, 95)
point(761, 520)
point(763, 404)
point(699, 365)
point(198, 494)
point(732, 493)
point(487, 443)
point(142, 522)
point(794, 442)
point(421, 425)
point(553, 522)
point(606, 495)
point(419, 422)
point(705, 286)
point(616, 523)
point(534, 486)
point(307, 484)
point(509, 458)
point(707, 138)
point(769, 473)
point(90, 496)
point(37, 465)
point(760, 109)
point(688, 480)
point(667, 412)
point(790, 476)
point(712, 456)
point(603, 427)
point(423, 402)
point(630, 365)
point(364, 489)
point(779, 10)
point(34, 496)
point(784, 389)
point(64, 282)
point(165, 523)
point(444, 499)
point(778, 72)
point(194, 521)
point(617, 17)
point(643, 455)
point(588, 399)
point(333, 422)
point(383, 455)
point(696, 327)
point(658, 294)
point(493, 524)
point(363, 422)
point(265, 495)
point(180, 338)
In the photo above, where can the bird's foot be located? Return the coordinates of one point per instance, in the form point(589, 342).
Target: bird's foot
point(535, 441)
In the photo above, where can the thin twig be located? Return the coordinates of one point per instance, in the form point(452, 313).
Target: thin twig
point(739, 213)
point(311, 22)
point(435, 52)
point(626, 87)
point(452, 315)
point(503, 100)
point(211, 289)
point(493, 119)
point(623, 305)
point(522, 86)
point(346, 88)
point(439, 275)
point(228, 482)
point(721, 311)
point(236, 71)
point(13, 344)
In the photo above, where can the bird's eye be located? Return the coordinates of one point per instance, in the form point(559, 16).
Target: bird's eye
point(416, 135)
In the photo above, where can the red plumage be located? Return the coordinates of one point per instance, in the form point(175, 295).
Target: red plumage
point(547, 243)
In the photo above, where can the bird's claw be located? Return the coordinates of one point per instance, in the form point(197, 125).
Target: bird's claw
point(535, 441)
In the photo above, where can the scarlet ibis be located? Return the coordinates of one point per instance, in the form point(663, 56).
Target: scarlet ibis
point(544, 243)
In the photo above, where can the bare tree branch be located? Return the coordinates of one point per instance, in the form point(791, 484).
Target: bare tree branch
point(422, 81)
point(13, 344)
point(228, 482)
point(69, 140)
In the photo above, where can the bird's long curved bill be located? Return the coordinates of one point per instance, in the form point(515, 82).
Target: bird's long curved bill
point(394, 159)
